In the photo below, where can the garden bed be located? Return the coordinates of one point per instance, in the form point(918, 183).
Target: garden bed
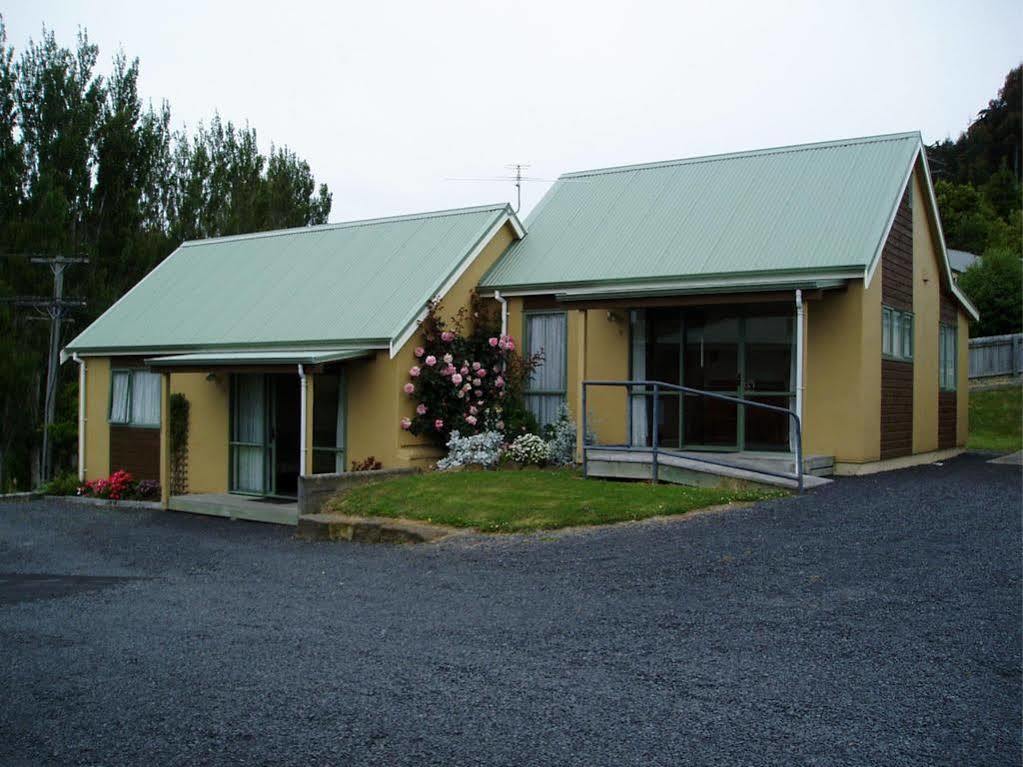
point(530, 499)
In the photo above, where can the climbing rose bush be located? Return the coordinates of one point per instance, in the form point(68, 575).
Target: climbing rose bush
point(465, 382)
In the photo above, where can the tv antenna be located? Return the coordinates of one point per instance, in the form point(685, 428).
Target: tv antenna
point(518, 177)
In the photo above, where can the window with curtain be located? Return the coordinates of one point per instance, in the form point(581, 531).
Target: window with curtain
point(948, 348)
point(547, 334)
point(135, 398)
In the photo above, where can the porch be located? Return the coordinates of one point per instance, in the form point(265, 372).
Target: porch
point(279, 511)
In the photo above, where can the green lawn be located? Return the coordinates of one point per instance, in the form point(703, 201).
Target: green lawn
point(995, 419)
point(530, 499)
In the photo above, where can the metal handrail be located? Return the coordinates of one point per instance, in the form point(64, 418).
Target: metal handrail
point(657, 386)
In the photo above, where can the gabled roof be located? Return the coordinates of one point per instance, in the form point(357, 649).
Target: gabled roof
point(811, 212)
point(356, 284)
point(961, 260)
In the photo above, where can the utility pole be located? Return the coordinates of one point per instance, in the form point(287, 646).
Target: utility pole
point(56, 310)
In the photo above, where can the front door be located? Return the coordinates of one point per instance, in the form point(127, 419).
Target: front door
point(712, 362)
point(264, 445)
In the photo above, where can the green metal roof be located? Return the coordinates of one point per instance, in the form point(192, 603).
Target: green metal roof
point(821, 208)
point(355, 284)
point(277, 357)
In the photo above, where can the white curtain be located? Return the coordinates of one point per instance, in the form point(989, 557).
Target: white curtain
point(119, 397)
point(637, 319)
point(145, 398)
point(249, 426)
point(547, 334)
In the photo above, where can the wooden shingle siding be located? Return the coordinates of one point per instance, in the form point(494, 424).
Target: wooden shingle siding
point(897, 375)
point(136, 451)
point(897, 260)
point(949, 310)
point(896, 408)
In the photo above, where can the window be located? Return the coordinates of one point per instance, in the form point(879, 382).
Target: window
point(896, 334)
point(546, 334)
point(135, 398)
point(948, 348)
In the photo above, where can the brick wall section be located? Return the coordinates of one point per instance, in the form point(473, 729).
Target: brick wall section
point(136, 451)
point(897, 377)
point(948, 400)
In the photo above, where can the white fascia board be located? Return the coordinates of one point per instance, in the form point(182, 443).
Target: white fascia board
point(718, 283)
point(868, 274)
point(932, 206)
point(470, 258)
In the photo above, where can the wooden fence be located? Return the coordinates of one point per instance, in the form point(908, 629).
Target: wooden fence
point(996, 356)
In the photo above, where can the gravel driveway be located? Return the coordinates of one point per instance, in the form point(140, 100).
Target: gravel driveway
point(875, 621)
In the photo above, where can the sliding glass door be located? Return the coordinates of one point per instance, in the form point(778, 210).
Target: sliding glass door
point(736, 351)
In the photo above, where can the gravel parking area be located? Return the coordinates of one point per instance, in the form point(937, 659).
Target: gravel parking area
point(874, 621)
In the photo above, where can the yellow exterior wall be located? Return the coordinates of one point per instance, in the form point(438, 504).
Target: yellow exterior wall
point(376, 403)
point(842, 404)
point(97, 429)
point(607, 358)
point(927, 279)
point(208, 429)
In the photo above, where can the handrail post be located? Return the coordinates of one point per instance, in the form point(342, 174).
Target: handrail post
point(628, 415)
point(585, 429)
point(657, 436)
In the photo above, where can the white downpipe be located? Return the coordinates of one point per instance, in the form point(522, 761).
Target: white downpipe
point(504, 311)
point(800, 351)
point(81, 416)
point(302, 450)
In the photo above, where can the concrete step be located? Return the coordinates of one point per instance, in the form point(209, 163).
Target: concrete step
point(342, 527)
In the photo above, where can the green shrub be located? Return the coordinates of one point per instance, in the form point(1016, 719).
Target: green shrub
point(64, 484)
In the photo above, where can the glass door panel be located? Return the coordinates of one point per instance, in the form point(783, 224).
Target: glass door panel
point(664, 363)
point(769, 374)
point(711, 353)
point(249, 419)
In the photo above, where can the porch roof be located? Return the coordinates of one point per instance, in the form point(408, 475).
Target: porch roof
point(255, 358)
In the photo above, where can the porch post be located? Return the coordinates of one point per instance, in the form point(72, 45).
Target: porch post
point(165, 453)
point(303, 425)
point(800, 352)
point(81, 416)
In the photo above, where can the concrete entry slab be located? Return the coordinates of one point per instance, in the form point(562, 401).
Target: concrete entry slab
point(1012, 459)
point(237, 507)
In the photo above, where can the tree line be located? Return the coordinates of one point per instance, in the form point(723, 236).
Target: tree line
point(88, 169)
point(977, 185)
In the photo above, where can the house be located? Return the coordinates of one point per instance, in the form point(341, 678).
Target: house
point(810, 278)
point(960, 261)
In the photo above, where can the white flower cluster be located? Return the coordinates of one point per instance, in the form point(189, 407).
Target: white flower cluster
point(561, 445)
point(529, 449)
point(483, 449)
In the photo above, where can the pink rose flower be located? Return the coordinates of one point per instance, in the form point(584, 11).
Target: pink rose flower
point(409, 388)
point(414, 371)
point(460, 394)
point(448, 358)
point(406, 424)
point(472, 410)
point(465, 370)
point(438, 424)
point(476, 382)
point(471, 420)
point(456, 379)
point(476, 366)
point(497, 368)
point(420, 351)
point(421, 409)
point(478, 393)
point(509, 345)
point(431, 360)
point(447, 336)
point(492, 341)
point(499, 382)
point(482, 372)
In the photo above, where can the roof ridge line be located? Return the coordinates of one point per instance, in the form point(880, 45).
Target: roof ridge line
point(789, 148)
point(348, 224)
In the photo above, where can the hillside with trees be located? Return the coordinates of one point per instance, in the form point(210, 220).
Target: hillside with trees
point(977, 183)
point(88, 169)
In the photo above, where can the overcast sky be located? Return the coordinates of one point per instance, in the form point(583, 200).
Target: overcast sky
point(389, 100)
